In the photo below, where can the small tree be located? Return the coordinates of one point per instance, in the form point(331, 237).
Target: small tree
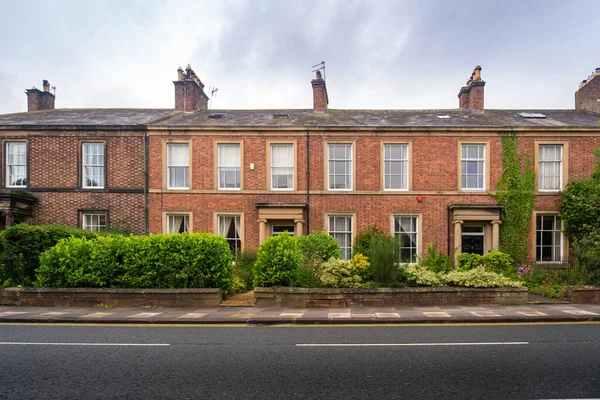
point(363, 241)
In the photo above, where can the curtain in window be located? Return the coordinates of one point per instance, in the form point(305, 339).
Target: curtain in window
point(282, 166)
point(178, 161)
point(229, 166)
point(176, 223)
point(224, 225)
point(16, 163)
point(549, 167)
point(93, 165)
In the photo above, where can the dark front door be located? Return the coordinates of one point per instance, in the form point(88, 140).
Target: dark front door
point(472, 240)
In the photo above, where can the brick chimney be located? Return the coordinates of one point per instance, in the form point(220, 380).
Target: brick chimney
point(587, 97)
point(38, 100)
point(189, 91)
point(471, 95)
point(320, 98)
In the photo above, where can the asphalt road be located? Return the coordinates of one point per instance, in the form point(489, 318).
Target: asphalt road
point(148, 362)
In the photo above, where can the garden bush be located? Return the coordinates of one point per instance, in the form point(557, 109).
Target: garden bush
point(419, 275)
point(363, 266)
point(385, 254)
point(244, 266)
point(478, 277)
point(200, 260)
point(435, 260)
point(466, 261)
point(22, 245)
point(498, 261)
point(364, 240)
point(278, 262)
point(339, 274)
point(315, 249)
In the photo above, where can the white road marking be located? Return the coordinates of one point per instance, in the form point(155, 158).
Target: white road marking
point(145, 315)
point(576, 311)
point(97, 315)
point(484, 313)
point(51, 314)
point(9, 313)
point(192, 315)
point(387, 315)
point(408, 344)
point(532, 313)
point(86, 344)
point(436, 314)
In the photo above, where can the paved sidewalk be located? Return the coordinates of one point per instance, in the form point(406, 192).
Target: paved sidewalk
point(274, 316)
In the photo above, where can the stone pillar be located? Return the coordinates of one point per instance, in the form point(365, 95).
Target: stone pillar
point(9, 220)
point(457, 239)
point(496, 234)
point(298, 223)
point(262, 231)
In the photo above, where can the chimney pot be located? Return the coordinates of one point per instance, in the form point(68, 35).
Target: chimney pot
point(472, 95)
point(320, 97)
point(189, 93)
point(588, 93)
point(38, 100)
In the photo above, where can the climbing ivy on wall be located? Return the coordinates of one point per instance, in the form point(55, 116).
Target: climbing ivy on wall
point(515, 192)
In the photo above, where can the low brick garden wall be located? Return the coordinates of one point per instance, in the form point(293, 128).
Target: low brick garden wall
point(388, 297)
point(88, 297)
point(584, 294)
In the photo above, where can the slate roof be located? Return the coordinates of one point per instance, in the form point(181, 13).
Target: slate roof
point(296, 118)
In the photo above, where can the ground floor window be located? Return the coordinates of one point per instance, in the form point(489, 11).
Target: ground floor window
point(178, 223)
point(340, 228)
point(548, 238)
point(406, 232)
point(230, 227)
point(93, 221)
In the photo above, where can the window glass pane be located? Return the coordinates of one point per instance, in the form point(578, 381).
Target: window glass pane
point(340, 228)
point(405, 230)
point(340, 166)
point(16, 164)
point(178, 154)
point(229, 226)
point(550, 167)
point(94, 221)
point(548, 238)
point(472, 166)
point(178, 223)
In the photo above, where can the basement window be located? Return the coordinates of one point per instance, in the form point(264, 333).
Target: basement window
point(531, 115)
point(217, 115)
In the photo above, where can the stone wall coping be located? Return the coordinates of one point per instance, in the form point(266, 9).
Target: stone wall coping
point(114, 290)
point(584, 288)
point(433, 289)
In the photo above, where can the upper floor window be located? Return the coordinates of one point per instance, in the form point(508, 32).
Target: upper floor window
point(282, 166)
point(406, 232)
point(550, 167)
point(16, 164)
point(178, 223)
point(340, 166)
point(340, 228)
point(93, 221)
point(178, 165)
point(229, 166)
point(395, 159)
point(472, 167)
point(93, 165)
point(548, 238)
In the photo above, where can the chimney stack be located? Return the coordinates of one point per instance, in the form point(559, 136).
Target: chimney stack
point(471, 95)
point(38, 100)
point(320, 98)
point(587, 97)
point(189, 91)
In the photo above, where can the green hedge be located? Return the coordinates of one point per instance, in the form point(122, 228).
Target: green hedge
point(200, 260)
point(278, 262)
point(22, 245)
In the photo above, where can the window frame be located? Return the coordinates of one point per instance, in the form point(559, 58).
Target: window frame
point(167, 214)
point(486, 165)
point(564, 246)
point(564, 170)
point(408, 145)
point(216, 224)
point(82, 216)
point(352, 217)
point(6, 166)
point(419, 232)
point(352, 145)
point(165, 153)
point(269, 171)
point(83, 175)
point(217, 177)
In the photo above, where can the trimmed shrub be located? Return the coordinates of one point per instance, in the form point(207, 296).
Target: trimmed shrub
point(278, 262)
point(315, 249)
point(420, 275)
point(466, 261)
point(498, 261)
point(22, 245)
point(384, 259)
point(339, 274)
point(435, 260)
point(478, 277)
point(364, 240)
point(200, 260)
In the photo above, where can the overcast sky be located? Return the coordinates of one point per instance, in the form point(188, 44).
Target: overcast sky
point(259, 53)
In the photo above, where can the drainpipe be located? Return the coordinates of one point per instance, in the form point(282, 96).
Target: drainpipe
point(448, 234)
point(307, 182)
point(146, 181)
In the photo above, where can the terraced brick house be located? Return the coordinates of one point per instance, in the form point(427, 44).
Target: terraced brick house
point(424, 175)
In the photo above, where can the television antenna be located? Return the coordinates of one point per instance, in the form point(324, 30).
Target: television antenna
point(213, 91)
point(319, 67)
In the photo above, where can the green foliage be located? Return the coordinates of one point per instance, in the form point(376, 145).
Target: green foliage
point(498, 261)
point(478, 277)
point(420, 275)
point(339, 274)
point(22, 245)
point(515, 192)
point(278, 262)
point(200, 260)
point(466, 261)
point(580, 205)
point(362, 265)
point(315, 249)
point(244, 266)
point(385, 254)
point(363, 241)
point(587, 252)
point(553, 282)
point(435, 260)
